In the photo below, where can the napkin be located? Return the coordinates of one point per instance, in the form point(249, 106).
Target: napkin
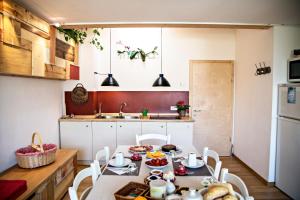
point(121, 171)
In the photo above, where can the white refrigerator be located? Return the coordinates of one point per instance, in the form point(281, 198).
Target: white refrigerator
point(288, 140)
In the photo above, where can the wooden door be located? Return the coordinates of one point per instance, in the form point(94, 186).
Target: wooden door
point(211, 100)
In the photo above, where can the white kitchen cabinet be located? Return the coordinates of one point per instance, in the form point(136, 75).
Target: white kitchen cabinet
point(126, 132)
point(181, 133)
point(77, 135)
point(104, 134)
point(154, 128)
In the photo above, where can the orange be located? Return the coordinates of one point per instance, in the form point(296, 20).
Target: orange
point(140, 198)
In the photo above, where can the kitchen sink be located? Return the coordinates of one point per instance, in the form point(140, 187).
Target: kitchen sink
point(117, 117)
point(130, 117)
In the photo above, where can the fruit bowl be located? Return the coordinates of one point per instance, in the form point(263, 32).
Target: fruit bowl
point(157, 163)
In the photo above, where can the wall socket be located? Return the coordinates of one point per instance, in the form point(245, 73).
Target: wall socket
point(173, 108)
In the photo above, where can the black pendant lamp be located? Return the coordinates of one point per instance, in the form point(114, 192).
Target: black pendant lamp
point(109, 81)
point(161, 81)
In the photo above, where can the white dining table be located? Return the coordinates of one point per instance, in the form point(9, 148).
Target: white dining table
point(107, 185)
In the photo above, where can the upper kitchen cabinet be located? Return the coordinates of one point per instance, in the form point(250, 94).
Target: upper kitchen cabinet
point(30, 47)
point(127, 131)
point(104, 134)
point(77, 135)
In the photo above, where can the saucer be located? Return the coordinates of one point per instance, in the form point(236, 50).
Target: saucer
point(199, 164)
point(180, 173)
point(125, 163)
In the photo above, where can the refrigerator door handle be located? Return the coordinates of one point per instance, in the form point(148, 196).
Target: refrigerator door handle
point(289, 119)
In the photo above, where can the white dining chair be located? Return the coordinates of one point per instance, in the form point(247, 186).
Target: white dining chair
point(227, 177)
point(101, 159)
point(90, 171)
point(103, 155)
point(214, 155)
point(165, 138)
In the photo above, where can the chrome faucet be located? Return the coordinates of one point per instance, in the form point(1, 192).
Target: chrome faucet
point(121, 109)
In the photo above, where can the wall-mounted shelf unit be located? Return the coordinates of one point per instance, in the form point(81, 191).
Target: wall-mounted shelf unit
point(30, 47)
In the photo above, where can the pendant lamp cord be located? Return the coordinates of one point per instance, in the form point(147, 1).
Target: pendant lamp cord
point(161, 50)
point(110, 50)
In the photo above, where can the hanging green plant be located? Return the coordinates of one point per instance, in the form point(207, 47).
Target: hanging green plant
point(96, 40)
point(79, 36)
point(135, 54)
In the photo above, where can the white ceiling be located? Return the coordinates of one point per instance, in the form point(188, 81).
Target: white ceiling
point(193, 11)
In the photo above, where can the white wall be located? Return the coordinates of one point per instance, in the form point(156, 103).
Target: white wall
point(27, 105)
point(285, 40)
point(253, 100)
point(179, 46)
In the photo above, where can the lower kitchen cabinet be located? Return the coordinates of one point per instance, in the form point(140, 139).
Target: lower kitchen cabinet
point(77, 135)
point(127, 131)
point(89, 137)
point(104, 134)
point(181, 133)
point(154, 128)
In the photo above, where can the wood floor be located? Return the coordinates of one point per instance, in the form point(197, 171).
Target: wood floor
point(256, 187)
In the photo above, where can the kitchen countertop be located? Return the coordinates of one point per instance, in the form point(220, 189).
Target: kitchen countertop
point(92, 118)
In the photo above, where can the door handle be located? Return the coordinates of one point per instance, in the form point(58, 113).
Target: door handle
point(197, 110)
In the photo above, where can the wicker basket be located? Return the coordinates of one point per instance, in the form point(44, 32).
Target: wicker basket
point(36, 155)
point(131, 188)
point(79, 94)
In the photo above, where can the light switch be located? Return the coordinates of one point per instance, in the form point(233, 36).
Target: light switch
point(173, 108)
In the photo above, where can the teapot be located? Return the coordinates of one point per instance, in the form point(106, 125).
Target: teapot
point(192, 194)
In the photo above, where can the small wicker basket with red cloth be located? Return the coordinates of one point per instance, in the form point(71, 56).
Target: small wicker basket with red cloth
point(35, 155)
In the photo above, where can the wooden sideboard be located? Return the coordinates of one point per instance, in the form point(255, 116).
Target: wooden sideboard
point(49, 182)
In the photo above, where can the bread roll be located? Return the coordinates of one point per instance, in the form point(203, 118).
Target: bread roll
point(230, 197)
point(227, 185)
point(215, 192)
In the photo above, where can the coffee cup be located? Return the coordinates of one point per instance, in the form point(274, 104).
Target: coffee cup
point(119, 158)
point(136, 157)
point(158, 188)
point(192, 159)
point(181, 169)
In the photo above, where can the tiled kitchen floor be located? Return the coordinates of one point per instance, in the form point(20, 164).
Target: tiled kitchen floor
point(256, 187)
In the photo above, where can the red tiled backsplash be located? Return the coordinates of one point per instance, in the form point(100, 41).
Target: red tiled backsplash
point(155, 101)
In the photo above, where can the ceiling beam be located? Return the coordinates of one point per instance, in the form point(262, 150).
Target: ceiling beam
point(166, 25)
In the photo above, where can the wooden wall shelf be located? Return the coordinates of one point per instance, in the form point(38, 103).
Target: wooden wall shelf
point(32, 76)
point(27, 42)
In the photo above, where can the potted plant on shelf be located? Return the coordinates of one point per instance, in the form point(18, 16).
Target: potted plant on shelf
point(145, 113)
point(182, 108)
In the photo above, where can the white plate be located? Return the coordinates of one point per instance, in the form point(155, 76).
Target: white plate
point(126, 162)
point(200, 163)
point(204, 190)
